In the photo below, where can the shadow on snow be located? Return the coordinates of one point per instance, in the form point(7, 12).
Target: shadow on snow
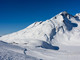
point(48, 46)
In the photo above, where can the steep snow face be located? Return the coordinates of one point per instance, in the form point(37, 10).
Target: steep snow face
point(60, 29)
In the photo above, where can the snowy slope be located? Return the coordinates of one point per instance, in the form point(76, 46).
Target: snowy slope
point(12, 52)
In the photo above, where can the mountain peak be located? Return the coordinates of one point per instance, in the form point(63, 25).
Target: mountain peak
point(62, 16)
point(65, 14)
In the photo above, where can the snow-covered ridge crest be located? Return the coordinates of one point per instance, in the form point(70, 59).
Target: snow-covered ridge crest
point(60, 29)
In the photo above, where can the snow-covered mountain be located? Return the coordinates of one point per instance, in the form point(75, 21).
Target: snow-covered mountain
point(41, 39)
point(62, 28)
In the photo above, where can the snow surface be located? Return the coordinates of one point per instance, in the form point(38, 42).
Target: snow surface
point(12, 52)
point(53, 39)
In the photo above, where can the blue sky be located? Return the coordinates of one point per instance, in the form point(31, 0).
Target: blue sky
point(18, 14)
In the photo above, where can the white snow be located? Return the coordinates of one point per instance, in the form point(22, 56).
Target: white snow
point(12, 52)
point(53, 39)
